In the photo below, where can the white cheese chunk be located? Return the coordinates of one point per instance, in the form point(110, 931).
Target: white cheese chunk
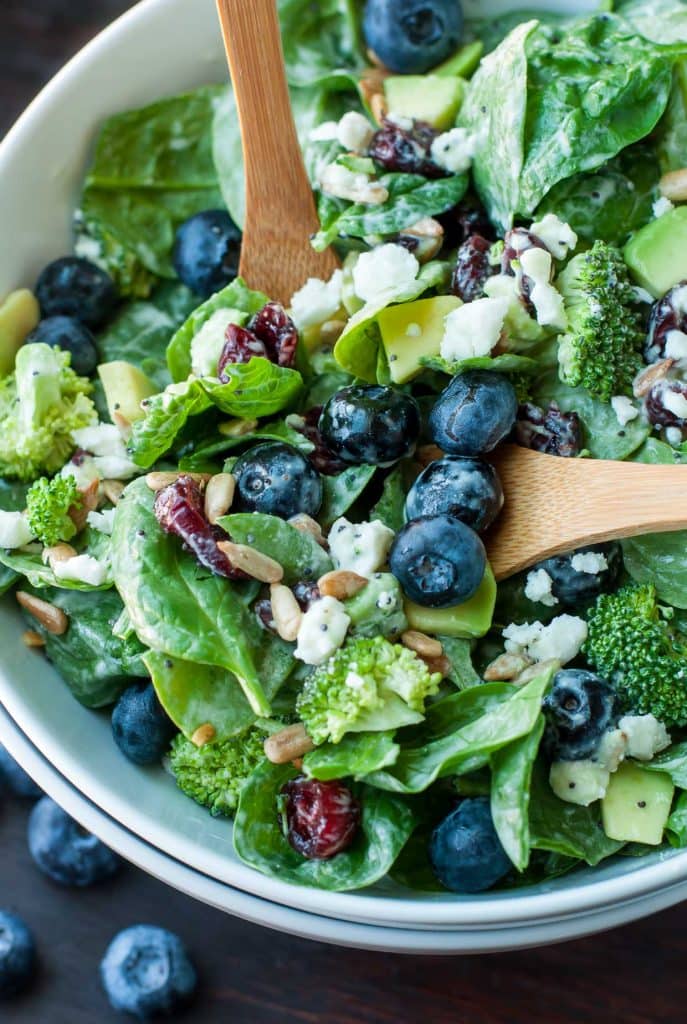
point(322, 631)
point(473, 329)
point(661, 206)
point(579, 782)
point(15, 531)
point(317, 301)
point(561, 640)
point(328, 131)
point(675, 402)
point(674, 436)
point(646, 736)
point(103, 522)
point(624, 408)
point(547, 301)
point(83, 469)
point(354, 132)
point(384, 271)
point(538, 588)
point(106, 445)
point(612, 749)
point(360, 547)
point(591, 562)
point(454, 150)
point(558, 237)
point(342, 183)
point(676, 346)
point(81, 568)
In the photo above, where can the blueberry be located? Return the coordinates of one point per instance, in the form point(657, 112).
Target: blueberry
point(468, 489)
point(17, 955)
point(579, 709)
point(69, 334)
point(14, 778)
point(74, 287)
point(413, 36)
point(146, 971)
point(276, 479)
point(206, 252)
point(369, 424)
point(140, 727)
point(573, 586)
point(66, 852)
point(438, 561)
point(465, 851)
point(474, 413)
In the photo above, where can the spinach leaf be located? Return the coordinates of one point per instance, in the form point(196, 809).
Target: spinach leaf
point(299, 554)
point(140, 333)
point(510, 793)
point(386, 824)
point(341, 491)
point(663, 21)
point(459, 654)
point(96, 665)
point(195, 616)
point(673, 762)
point(165, 416)
point(358, 347)
point(199, 455)
point(320, 37)
point(508, 362)
point(676, 826)
point(661, 559)
point(658, 452)
point(413, 867)
point(390, 509)
point(355, 756)
point(152, 169)
point(603, 435)
point(12, 499)
point(461, 732)
point(254, 389)
point(28, 562)
point(194, 694)
point(564, 828)
point(411, 197)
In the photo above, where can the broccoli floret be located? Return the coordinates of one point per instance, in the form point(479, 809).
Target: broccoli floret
point(41, 403)
point(601, 347)
point(631, 643)
point(47, 508)
point(368, 685)
point(213, 775)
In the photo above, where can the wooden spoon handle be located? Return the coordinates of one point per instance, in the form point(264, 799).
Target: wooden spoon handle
point(280, 212)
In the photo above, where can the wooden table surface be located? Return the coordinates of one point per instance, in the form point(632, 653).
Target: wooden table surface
point(633, 975)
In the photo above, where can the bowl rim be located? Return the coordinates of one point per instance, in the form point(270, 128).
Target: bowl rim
point(448, 912)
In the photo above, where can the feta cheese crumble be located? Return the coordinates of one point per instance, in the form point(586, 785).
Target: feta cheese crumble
point(322, 631)
point(579, 782)
point(208, 342)
point(473, 329)
point(317, 301)
point(674, 402)
point(538, 588)
point(558, 237)
point(338, 181)
point(106, 446)
point(453, 151)
point(103, 522)
point(661, 206)
point(328, 131)
point(354, 132)
point(676, 346)
point(81, 568)
point(384, 271)
point(591, 562)
point(646, 736)
point(561, 640)
point(547, 301)
point(15, 531)
point(360, 547)
point(612, 749)
point(624, 408)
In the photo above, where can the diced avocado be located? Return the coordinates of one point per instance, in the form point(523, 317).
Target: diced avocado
point(657, 253)
point(637, 805)
point(377, 608)
point(412, 330)
point(463, 62)
point(471, 619)
point(125, 388)
point(430, 98)
point(19, 315)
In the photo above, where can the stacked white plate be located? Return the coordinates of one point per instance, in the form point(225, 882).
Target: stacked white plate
point(161, 47)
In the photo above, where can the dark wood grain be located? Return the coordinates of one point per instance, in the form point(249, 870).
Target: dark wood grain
point(635, 975)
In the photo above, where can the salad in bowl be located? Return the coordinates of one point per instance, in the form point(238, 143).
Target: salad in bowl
point(253, 530)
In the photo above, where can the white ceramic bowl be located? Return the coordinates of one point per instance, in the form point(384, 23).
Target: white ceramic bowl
point(160, 47)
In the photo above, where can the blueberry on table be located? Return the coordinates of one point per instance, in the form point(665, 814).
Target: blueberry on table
point(413, 36)
point(72, 286)
point(14, 778)
point(466, 488)
point(64, 851)
point(321, 818)
point(17, 955)
point(206, 252)
point(474, 413)
point(580, 576)
point(438, 561)
point(465, 851)
point(369, 424)
point(579, 709)
point(274, 478)
point(140, 726)
point(146, 971)
point(70, 335)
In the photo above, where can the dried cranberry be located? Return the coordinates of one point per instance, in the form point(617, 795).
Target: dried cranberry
point(321, 818)
point(406, 149)
point(548, 430)
point(472, 268)
point(275, 328)
point(322, 458)
point(240, 346)
point(306, 593)
point(464, 220)
point(666, 404)
point(668, 314)
point(263, 610)
point(179, 510)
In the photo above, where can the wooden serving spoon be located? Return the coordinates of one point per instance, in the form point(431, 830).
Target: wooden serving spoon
point(276, 255)
point(554, 505)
